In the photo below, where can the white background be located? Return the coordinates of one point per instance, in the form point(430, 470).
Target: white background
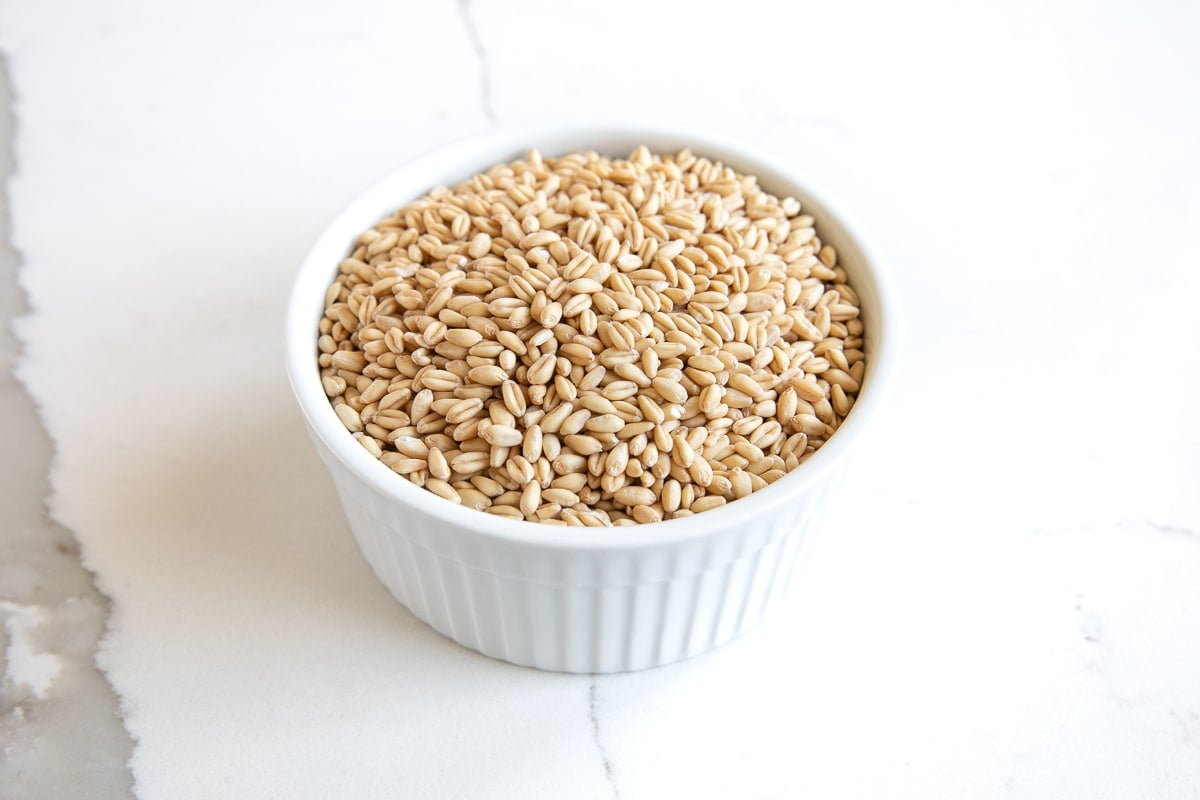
point(1006, 602)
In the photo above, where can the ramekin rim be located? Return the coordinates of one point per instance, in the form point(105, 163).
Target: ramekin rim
point(771, 168)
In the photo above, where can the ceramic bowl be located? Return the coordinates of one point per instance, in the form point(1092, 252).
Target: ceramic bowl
point(587, 600)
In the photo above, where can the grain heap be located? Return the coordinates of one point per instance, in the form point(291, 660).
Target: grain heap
point(587, 341)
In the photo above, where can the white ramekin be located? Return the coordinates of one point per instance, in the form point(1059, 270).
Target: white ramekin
point(583, 599)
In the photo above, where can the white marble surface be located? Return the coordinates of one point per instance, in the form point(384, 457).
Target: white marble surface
point(1004, 606)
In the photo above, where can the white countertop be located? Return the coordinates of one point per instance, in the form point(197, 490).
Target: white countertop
point(1004, 604)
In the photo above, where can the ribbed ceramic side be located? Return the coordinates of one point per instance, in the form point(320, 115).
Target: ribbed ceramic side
point(577, 609)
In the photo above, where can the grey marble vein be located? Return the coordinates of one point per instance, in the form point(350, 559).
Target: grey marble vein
point(594, 721)
point(60, 732)
point(481, 54)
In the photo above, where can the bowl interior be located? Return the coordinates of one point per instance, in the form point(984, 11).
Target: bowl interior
point(866, 269)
